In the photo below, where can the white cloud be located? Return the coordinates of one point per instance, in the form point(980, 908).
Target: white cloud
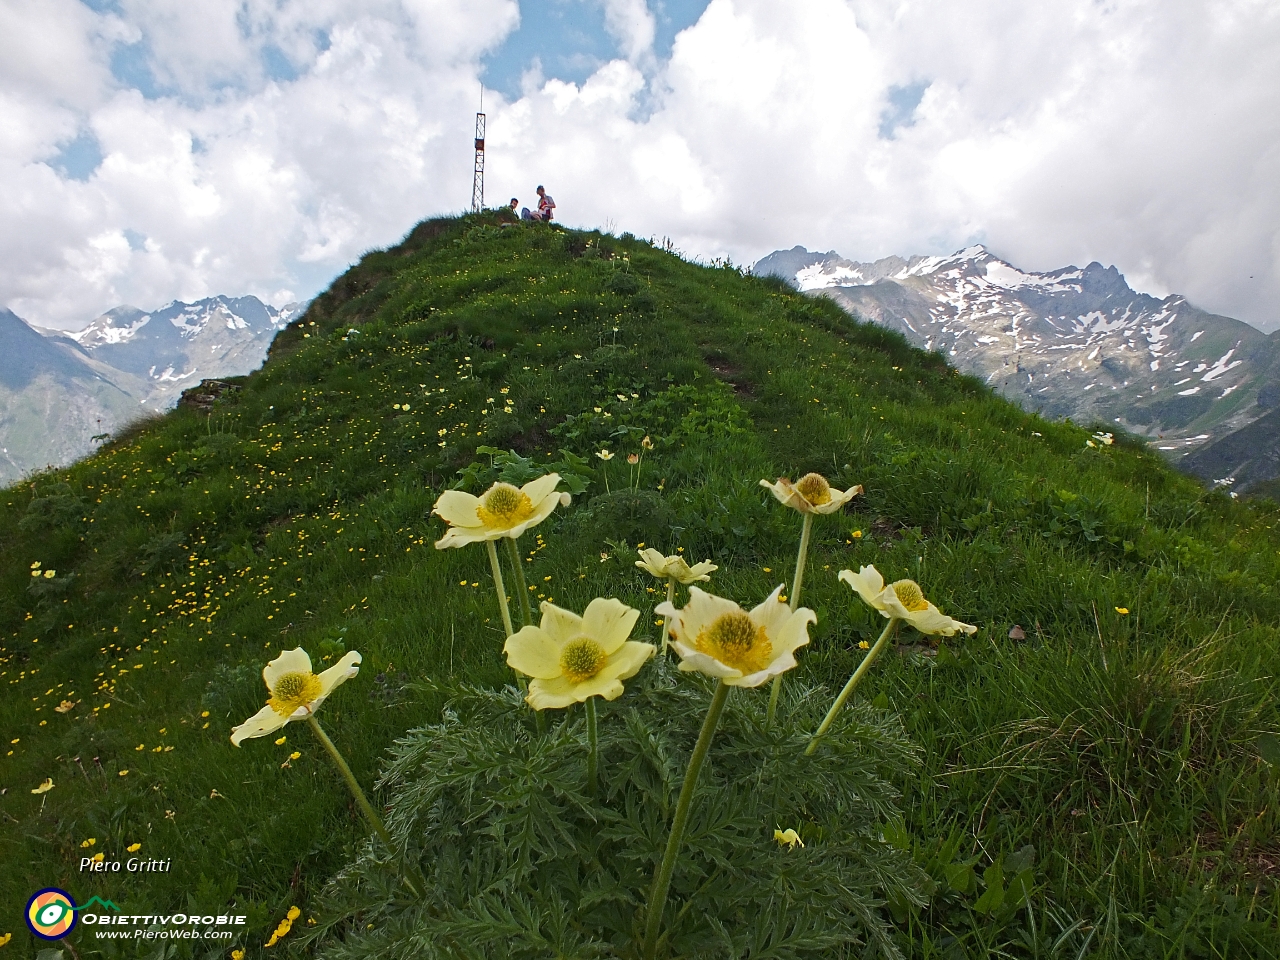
point(1143, 133)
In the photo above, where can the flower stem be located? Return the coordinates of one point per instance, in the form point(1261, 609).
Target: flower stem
point(362, 801)
point(593, 747)
point(798, 580)
point(863, 667)
point(514, 553)
point(666, 621)
point(499, 586)
point(662, 880)
point(796, 583)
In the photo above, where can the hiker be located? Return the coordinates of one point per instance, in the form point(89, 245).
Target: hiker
point(546, 206)
point(514, 203)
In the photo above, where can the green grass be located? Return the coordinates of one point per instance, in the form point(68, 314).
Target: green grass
point(1132, 751)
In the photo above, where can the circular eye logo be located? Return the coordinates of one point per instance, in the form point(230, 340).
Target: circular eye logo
point(51, 913)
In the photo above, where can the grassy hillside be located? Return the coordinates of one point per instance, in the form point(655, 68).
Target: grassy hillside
point(1112, 727)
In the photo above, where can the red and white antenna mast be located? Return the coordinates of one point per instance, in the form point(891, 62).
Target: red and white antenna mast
point(477, 182)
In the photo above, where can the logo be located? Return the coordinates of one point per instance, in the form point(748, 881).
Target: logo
point(51, 913)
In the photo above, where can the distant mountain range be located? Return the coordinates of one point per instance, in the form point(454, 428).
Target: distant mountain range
point(59, 392)
point(1079, 343)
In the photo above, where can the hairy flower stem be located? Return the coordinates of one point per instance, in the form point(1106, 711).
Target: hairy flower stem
point(513, 552)
point(499, 586)
point(666, 621)
point(858, 674)
point(363, 802)
point(593, 748)
point(796, 583)
point(662, 880)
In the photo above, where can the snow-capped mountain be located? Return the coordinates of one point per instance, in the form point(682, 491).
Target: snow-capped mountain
point(1074, 342)
point(181, 343)
point(61, 392)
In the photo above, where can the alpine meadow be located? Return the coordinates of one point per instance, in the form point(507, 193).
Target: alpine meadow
point(1094, 772)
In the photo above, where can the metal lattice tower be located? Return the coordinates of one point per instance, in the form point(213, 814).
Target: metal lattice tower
point(477, 183)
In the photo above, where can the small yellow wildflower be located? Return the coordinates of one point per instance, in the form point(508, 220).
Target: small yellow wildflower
point(237, 954)
point(295, 755)
point(134, 847)
point(864, 645)
point(44, 787)
point(787, 837)
point(88, 843)
point(1123, 611)
point(605, 455)
point(66, 706)
point(281, 740)
point(5, 939)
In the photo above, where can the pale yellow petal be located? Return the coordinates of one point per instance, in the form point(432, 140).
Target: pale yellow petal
point(289, 661)
point(700, 571)
point(771, 614)
point(551, 694)
point(785, 493)
point(458, 509)
point(626, 662)
point(340, 672)
point(609, 622)
point(260, 724)
point(793, 633)
point(462, 536)
point(533, 652)
point(692, 661)
point(866, 583)
point(935, 622)
point(838, 499)
point(559, 624)
point(777, 665)
point(543, 488)
point(542, 510)
point(653, 562)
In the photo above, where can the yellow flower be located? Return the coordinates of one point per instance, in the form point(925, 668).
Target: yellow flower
point(1123, 611)
point(296, 692)
point(65, 706)
point(810, 494)
point(572, 658)
point(674, 567)
point(788, 837)
point(50, 574)
point(281, 740)
point(903, 600)
point(44, 787)
point(717, 637)
point(501, 511)
point(5, 939)
point(605, 455)
point(864, 645)
point(88, 843)
point(134, 847)
point(237, 954)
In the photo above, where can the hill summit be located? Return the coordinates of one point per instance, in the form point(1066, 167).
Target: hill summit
point(1115, 711)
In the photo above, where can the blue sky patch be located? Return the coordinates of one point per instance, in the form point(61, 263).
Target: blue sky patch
point(901, 111)
point(77, 159)
point(569, 41)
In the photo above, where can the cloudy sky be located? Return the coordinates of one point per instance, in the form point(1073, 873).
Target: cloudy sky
point(153, 149)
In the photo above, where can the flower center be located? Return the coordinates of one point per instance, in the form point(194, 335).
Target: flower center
point(581, 659)
point(294, 690)
point(504, 506)
point(910, 595)
point(736, 641)
point(814, 488)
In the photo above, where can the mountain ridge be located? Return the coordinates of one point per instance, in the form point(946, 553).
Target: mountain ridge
point(59, 390)
point(1071, 342)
